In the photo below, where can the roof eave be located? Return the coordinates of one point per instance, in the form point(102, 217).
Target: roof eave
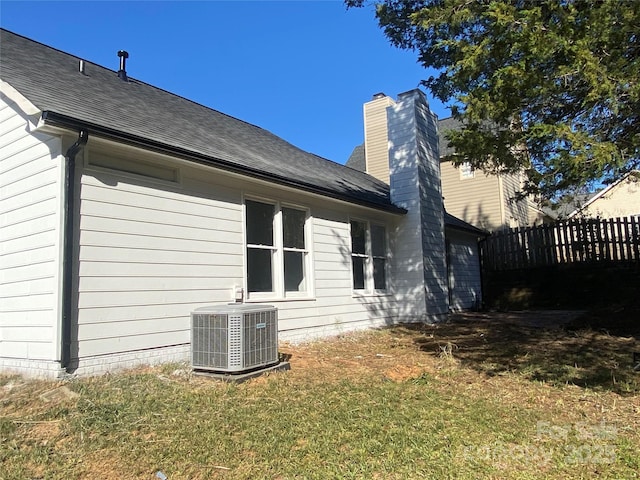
point(63, 121)
point(470, 230)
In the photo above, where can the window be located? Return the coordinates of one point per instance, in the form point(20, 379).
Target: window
point(379, 255)
point(260, 246)
point(277, 254)
point(359, 254)
point(293, 222)
point(466, 171)
point(368, 256)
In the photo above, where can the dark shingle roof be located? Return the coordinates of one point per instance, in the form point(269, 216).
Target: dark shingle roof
point(142, 113)
point(357, 159)
point(457, 224)
point(445, 125)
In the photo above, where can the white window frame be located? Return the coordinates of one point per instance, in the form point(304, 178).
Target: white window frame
point(278, 250)
point(369, 281)
point(466, 171)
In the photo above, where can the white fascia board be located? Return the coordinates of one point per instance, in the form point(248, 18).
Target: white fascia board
point(22, 102)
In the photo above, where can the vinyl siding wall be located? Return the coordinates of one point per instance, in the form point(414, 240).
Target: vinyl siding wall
point(376, 138)
point(150, 252)
point(621, 200)
point(475, 200)
point(30, 219)
point(415, 185)
point(464, 271)
point(516, 211)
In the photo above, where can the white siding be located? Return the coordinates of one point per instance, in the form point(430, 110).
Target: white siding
point(151, 252)
point(30, 186)
point(335, 308)
point(415, 185)
point(464, 271)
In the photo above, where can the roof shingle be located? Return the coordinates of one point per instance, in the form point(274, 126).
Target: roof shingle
point(51, 80)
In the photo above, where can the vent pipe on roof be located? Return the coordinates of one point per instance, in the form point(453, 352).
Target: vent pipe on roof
point(81, 66)
point(122, 73)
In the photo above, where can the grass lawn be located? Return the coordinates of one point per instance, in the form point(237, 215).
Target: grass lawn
point(480, 397)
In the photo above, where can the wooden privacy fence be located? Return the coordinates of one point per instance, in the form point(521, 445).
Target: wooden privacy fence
point(565, 242)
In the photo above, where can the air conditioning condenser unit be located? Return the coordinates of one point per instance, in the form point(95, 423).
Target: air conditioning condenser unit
point(234, 338)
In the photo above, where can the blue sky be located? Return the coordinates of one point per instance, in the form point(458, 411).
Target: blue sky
point(300, 69)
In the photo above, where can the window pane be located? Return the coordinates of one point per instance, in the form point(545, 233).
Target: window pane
point(259, 223)
point(294, 272)
point(358, 272)
point(293, 227)
point(466, 170)
point(358, 237)
point(259, 274)
point(379, 274)
point(378, 241)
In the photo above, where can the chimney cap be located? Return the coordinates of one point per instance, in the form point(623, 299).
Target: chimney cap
point(379, 95)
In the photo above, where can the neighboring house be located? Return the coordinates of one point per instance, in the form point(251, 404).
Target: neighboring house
point(484, 200)
point(124, 207)
point(620, 199)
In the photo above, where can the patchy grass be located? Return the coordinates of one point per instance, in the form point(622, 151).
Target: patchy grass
point(474, 398)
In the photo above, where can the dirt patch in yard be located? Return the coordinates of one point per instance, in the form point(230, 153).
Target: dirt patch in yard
point(555, 347)
point(552, 347)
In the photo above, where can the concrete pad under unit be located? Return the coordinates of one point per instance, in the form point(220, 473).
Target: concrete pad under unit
point(243, 376)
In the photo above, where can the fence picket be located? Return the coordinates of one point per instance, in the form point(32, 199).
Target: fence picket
point(575, 240)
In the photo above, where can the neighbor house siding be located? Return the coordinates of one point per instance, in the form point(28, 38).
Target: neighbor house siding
point(30, 218)
point(516, 210)
point(475, 200)
point(620, 200)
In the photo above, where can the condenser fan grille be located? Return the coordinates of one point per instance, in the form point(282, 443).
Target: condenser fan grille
point(234, 339)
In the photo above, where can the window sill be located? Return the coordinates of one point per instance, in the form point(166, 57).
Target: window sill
point(371, 294)
point(280, 299)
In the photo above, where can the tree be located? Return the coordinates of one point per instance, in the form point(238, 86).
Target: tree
point(559, 77)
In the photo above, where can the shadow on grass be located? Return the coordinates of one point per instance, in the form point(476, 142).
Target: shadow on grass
point(535, 346)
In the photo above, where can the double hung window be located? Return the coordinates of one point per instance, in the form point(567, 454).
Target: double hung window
point(277, 251)
point(368, 256)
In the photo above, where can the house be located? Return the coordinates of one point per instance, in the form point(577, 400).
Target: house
point(124, 207)
point(620, 199)
point(488, 201)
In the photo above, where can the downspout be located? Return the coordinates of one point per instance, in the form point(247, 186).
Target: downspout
point(67, 252)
